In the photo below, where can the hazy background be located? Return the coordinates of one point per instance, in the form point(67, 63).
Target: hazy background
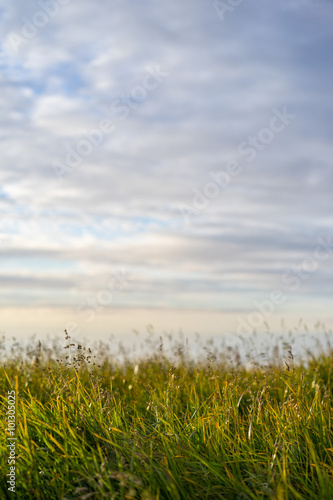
point(107, 240)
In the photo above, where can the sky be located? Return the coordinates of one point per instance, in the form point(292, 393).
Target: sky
point(165, 163)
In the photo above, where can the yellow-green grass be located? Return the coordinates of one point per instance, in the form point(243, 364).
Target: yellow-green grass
point(150, 429)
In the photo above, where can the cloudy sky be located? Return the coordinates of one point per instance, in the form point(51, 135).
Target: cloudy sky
point(166, 163)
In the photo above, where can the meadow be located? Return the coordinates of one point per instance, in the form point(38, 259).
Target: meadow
point(165, 426)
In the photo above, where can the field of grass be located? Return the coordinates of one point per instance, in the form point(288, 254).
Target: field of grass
point(166, 427)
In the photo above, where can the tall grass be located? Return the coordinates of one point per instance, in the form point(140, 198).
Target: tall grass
point(167, 428)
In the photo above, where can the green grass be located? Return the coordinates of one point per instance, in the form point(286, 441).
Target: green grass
point(150, 429)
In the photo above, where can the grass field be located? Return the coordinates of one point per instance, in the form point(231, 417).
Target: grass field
point(165, 427)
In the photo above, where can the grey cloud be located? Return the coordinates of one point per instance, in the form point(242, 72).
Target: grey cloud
point(224, 80)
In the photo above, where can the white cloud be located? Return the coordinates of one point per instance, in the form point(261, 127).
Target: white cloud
point(120, 205)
